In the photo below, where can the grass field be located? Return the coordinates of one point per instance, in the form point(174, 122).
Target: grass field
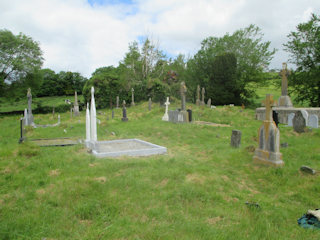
point(196, 191)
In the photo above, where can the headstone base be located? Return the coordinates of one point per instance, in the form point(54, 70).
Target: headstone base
point(285, 101)
point(268, 158)
point(124, 119)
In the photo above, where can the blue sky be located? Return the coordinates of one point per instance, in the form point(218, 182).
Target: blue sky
point(82, 35)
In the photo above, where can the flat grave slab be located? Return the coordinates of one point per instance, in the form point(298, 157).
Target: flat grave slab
point(126, 147)
point(211, 124)
point(51, 142)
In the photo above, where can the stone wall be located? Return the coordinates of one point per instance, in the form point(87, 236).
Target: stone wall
point(284, 112)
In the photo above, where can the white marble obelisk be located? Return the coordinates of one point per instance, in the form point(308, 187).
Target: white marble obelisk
point(93, 118)
point(88, 138)
point(166, 116)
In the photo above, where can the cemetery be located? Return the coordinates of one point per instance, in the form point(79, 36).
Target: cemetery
point(201, 151)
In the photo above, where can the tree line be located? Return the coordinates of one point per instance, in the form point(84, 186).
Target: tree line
point(230, 67)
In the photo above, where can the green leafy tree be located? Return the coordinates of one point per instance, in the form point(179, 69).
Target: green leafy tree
point(19, 55)
point(304, 49)
point(252, 55)
point(106, 85)
point(50, 86)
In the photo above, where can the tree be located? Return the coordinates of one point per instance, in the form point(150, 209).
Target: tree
point(19, 55)
point(304, 49)
point(106, 85)
point(252, 57)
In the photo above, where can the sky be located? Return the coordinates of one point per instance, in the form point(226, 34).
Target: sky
point(83, 35)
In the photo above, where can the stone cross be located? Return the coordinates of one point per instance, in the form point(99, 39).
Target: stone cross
point(117, 102)
point(132, 97)
point(203, 92)
point(284, 84)
point(93, 118)
point(76, 105)
point(183, 91)
point(166, 116)
point(269, 103)
point(198, 96)
point(149, 104)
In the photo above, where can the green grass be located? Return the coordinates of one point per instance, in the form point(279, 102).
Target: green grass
point(196, 191)
point(12, 105)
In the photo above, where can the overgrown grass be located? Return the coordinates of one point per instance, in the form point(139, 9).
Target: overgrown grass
point(196, 191)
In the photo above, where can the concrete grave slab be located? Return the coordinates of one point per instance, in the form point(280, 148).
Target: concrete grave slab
point(126, 147)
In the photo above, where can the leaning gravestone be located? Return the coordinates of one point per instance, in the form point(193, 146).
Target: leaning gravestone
point(299, 122)
point(290, 118)
point(313, 121)
point(235, 138)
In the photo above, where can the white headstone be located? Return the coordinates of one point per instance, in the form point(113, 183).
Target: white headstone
point(88, 131)
point(59, 119)
point(313, 121)
point(166, 116)
point(26, 117)
point(290, 117)
point(305, 115)
point(93, 118)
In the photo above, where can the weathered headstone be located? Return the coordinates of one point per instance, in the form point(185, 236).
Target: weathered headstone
point(202, 100)
point(313, 121)
point(189, 115)
point(25, 118)
point(132, 97)
point(235, 138)
point(299, 122)
point(268, 151)
point(30, 116)
point(198, 96)
point(166, 116)
point(124, 112)
point(183, 91)
point(209, 102)
point(149, 104)
point(22, 130)
point(284, 100)
point(117, 102)
point(290, 117)
point(307, 169)
point(76, 105)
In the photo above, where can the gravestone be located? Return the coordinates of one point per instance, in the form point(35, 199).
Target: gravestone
point(166, 116)
point(183, 91)
point(93, 118)
point(305, 114)
point(203, 92)
point(22, 130)
point(124, 112)
point(189, 115)
point(132, 97)
point(290, 118)
point(88, 126)
point(284, 100)
point(25, 118)
point(177, 116)
point(209, 102)
point(76, 105)
point(117, 102)
point(30, 116)
point(235, 138)
point(299, 122)
point(198, 96)
point(268, 151)
point(313, 121)
point(149, 104)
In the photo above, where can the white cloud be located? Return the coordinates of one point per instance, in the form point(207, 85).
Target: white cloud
point(79, 37)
